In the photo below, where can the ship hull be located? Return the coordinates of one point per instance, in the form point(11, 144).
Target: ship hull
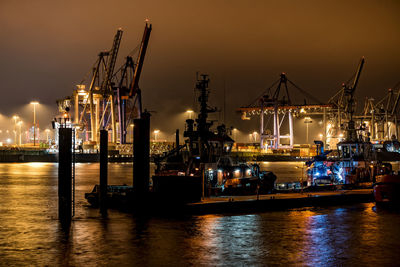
point(387, 190)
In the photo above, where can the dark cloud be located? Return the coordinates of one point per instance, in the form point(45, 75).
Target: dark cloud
point(47, 47)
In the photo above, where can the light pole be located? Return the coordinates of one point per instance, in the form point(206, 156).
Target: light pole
point(34, 103)
point(155, 135)
point(255, 136)
point(47, 135)
point(15, 117)
point(20, 135)
point(189, 111)
point(307, 121)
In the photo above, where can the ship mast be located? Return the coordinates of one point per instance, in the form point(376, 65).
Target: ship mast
point(203, 126)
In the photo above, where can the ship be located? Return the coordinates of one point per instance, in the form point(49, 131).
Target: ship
point(358, 163)
point(200, 167)
point(387, 187)
point(206, 154)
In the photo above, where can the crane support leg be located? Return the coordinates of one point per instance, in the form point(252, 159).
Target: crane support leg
point(291, 129)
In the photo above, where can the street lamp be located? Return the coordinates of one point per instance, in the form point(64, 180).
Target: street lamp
point(255, 136)
point(15, 117)
point(20, 135)
point(189, 111)
point(47, 135)
point(155, 135)
point(307, 121)
point(34, 103)
point(15, 137)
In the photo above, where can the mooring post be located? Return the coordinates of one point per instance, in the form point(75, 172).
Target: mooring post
point(65, 175)
point(141, 155)
point(103, 170)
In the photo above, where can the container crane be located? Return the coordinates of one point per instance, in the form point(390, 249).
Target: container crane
point(100, 90)
point(133, 93)
point(348, 92)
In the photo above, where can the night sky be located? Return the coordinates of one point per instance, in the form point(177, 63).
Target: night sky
point(47, 48)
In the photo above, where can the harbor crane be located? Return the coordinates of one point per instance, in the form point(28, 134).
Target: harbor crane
point(109, 99)
point(280, 105)
point(382, 117)
point(343, 100)
point(132, 93)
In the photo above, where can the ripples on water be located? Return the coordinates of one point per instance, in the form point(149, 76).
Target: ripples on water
point(31, 235)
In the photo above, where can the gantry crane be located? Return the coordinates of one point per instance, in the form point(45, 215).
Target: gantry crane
point(382, 116)
point(110, 100)
point(132, 93)
point(280, 105)
point(100, 98)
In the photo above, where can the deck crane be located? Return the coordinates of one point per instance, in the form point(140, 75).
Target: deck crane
point(133, 92)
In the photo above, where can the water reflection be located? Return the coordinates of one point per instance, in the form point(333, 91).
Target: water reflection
point(30, 232)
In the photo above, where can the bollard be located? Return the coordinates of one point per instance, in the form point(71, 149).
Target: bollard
point(141, 155)
point(103, 170)
point(65, 175)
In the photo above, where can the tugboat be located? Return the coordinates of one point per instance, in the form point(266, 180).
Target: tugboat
point(207, 156)
point(352, 167)
point(358, 164)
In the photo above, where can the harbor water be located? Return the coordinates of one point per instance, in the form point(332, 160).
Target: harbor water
point(30, 233)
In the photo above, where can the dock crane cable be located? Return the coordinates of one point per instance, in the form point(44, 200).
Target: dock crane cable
point(305, 93)
point(267, 91)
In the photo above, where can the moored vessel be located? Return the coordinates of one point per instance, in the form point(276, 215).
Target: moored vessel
point(387, 188)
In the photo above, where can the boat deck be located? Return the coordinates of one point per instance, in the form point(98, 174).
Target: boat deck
point(245, 204)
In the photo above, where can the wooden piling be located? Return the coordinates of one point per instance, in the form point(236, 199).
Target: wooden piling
point(65, 175)
point(103, 170)
point(141, 155)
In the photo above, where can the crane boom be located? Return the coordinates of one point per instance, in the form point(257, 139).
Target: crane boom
point(358, 73)
point(112, 58)
point(139, 63)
